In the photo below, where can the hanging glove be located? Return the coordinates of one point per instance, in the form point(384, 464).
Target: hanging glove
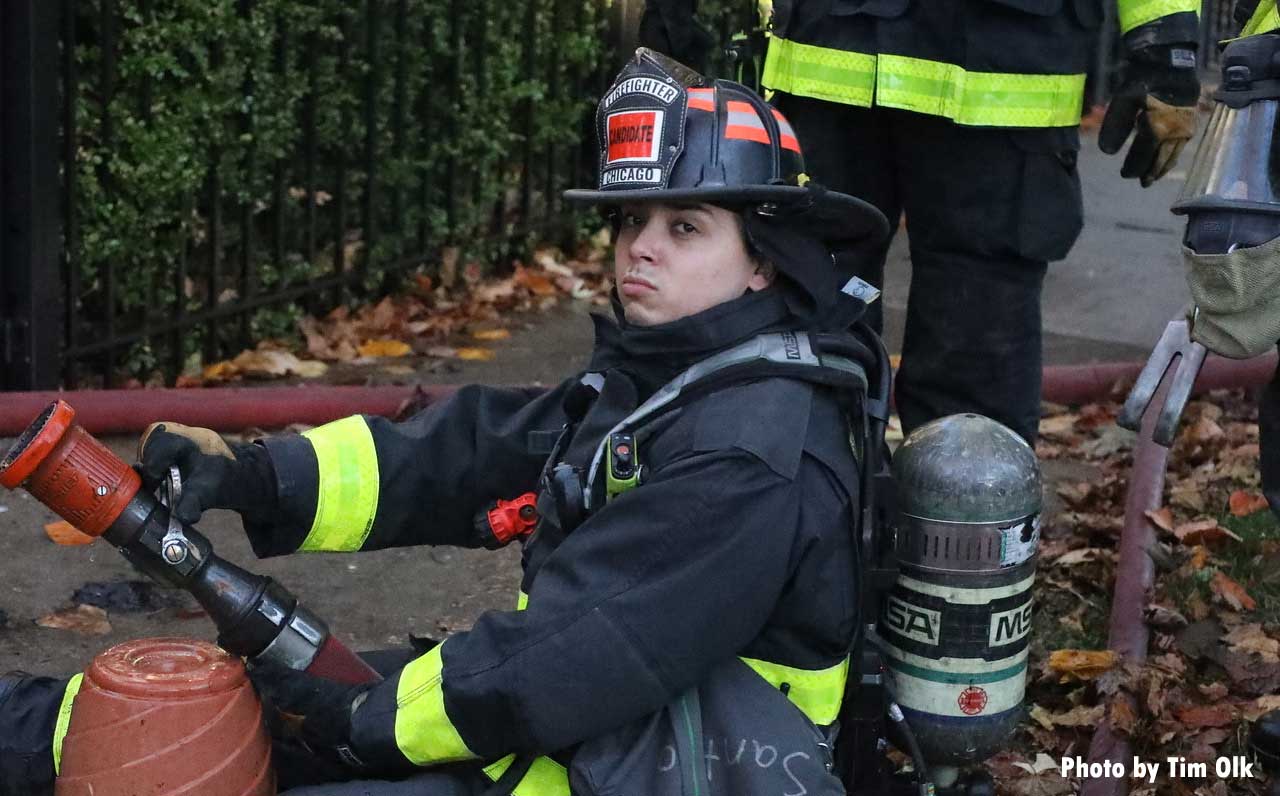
point(238, 476)
point(312, 710)
point(669, 27)
point(1158, 93)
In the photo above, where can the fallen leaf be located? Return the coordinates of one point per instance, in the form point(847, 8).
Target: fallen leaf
point(66, 534)
point(1199, 557)
point(1082, 555)
point(1260, 707)
point(491, 334)
point(1214, 691)
point(1042, 763)
point(384, 348)
point(1111, 440)
point(87, 620)
point(534, 282)
point(1162, 518)
point(1081, 664)
point(475, 354)
point(1202, 532)
point(219, 371)
point(1219, 715)
point(1244, 503)
point(1232, 593)
point(1059, 426)
point(1079, 716)
point(1121, 714)
point(1251, 638)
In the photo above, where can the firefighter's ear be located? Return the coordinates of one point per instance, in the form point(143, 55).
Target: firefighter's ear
point(764, 275)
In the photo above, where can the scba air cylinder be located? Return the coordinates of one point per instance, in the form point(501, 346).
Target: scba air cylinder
point(955, 626)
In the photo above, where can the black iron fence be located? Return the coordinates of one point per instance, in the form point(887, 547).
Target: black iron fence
point(201, 172)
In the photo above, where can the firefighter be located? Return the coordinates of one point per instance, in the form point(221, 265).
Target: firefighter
point(693, 573)
point(963, 115)
point(1232, 243)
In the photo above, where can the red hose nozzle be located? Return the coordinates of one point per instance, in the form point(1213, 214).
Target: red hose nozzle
point(69, 471)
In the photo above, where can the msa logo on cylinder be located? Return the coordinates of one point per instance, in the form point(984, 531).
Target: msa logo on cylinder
point(917, 624)
point(1010, 626)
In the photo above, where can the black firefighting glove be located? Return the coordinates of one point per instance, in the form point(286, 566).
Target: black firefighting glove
point(312, 710)
point(1158, 93)
point(669, 27)
point(215, 475)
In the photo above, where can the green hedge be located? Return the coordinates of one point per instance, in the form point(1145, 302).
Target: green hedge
point(172, 95)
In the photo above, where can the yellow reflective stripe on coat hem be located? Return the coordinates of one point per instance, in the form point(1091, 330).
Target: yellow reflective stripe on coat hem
point(1139, 12)
point(823, 73)
point(64, 719)
point(545, 777)
point(979, 99)
point(817, 692)
point(1265, 19)
point(347, 494)
point(424, 733)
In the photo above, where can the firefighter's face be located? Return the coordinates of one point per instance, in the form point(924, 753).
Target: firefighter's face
point(671, 261)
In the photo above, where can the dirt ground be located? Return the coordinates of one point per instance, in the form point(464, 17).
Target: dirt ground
point(371, 600)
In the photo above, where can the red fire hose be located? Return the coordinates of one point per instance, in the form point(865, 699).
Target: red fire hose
point(238, 408)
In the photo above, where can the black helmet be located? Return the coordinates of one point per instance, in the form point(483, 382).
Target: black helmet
point(667, 133)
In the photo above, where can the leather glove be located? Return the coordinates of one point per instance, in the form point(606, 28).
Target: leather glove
point(311, 709)
point(215, 475)
point(669, 27)
point(1158, 93)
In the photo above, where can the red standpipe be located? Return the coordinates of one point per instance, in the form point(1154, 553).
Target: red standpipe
point(82, 481)
point(239, 408)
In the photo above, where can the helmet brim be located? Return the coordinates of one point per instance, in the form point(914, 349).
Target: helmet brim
point(832, 217)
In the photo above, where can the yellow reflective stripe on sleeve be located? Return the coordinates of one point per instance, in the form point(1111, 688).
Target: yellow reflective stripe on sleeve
point(347, 495)
point(985, 99)
point(1133, 13)
point(522, 601)
point(424, 733)
point(64, 720)
point(817, 692)
point(1264, 19)
point(820, 72)
point(545, 777)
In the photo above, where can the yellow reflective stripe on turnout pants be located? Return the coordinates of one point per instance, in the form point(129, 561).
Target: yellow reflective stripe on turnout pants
point(347, 493)
point(984, 99)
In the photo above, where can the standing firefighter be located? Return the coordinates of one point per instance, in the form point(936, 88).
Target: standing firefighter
point(963, 114)
point(692, 575)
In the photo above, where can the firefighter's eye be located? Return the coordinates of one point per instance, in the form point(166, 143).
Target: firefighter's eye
point(684, 228)
point(632, 220)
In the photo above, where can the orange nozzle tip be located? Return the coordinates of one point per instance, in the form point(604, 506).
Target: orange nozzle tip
point(35, 443)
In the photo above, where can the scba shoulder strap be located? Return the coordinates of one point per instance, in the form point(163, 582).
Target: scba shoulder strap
point(842, 363)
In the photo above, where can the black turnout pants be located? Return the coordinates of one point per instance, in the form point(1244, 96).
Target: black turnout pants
point(987, 209)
